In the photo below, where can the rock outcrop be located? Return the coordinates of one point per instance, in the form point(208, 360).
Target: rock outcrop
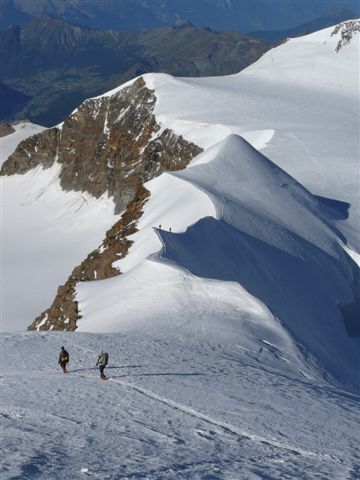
point(110, 144)
point(64, 312)
point(5, 129)
point(347, 31)
point(37, 150)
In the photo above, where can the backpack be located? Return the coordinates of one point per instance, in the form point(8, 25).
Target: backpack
point(106, 358)
point(64, 356)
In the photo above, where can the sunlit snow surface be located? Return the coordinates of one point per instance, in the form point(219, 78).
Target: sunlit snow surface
point(45, 233)
point(22, 131)
point(176, 407)
point(299, 103)
point(258, 226)
point(229, 353)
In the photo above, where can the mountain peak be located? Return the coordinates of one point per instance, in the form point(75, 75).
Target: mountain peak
point(47, 20)
point(234, 215)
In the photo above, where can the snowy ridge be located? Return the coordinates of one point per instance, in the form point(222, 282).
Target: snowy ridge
point(235, 173)
point(298, 104)
point(234, 336)
point(280, 233)
point(261, 230)
point(273, 116)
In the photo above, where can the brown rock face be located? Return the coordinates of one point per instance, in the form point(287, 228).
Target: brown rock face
point(108, 145)
point(5, 129)
point(37, 150)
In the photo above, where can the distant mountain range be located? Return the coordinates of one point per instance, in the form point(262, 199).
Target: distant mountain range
point(49, 65)
point(244, 15)
point(56, 64)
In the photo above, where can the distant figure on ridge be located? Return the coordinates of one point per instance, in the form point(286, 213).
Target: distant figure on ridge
point(170, 229)
point(63, 359)
point(102, 361)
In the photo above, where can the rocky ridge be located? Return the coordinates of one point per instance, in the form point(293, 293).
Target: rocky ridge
point(109, 145)
point(64, 312)
point(347, 31)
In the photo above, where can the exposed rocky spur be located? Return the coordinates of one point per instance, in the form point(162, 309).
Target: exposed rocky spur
point(64, 312)
point(109, 145)
point(6, 129)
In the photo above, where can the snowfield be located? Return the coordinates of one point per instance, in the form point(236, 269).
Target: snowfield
point(22, 131)
point(175, 407)
point(263, 231)
point(45, 233)
point(299, 104)
point(234, 330)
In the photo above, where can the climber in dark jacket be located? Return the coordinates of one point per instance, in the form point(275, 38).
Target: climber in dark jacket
point(63, 359)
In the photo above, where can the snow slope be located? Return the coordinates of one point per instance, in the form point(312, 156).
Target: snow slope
point(298, 104)
point(264, 239)
point(45, 232)
point(300, 101)
point(230, 353)
point(9, 143)
point(176, 407)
